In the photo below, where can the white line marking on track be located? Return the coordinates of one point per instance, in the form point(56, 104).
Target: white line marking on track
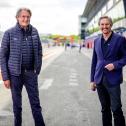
point(73, 80)
point(73, 74)
point(5, 113)
point(47, 83)
point(73, 84)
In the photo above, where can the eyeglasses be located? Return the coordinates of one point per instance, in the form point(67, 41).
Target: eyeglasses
point(28, 17)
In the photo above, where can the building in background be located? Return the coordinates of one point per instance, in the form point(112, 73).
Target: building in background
point(94, 9)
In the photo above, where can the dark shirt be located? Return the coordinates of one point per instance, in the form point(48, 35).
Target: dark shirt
point(105, 43)
point(27, 50)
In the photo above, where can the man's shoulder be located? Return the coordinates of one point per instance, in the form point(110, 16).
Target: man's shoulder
point(98, 38)
point(117, 35)
point(10, 29)
point(34, 32)
point(34, 29)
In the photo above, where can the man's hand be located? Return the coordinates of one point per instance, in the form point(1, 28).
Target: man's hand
point(93, 86)
point(7, 84)
point(110, 67)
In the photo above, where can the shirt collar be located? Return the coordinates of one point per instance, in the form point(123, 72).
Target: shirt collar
point(22, 29)
point(108, 38)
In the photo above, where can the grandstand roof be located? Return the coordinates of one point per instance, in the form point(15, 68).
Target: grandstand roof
point(92, 7)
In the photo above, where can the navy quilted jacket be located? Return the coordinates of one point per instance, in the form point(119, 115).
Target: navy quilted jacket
point(11, 56)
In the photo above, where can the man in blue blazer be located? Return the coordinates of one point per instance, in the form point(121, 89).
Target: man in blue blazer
point(109, 57)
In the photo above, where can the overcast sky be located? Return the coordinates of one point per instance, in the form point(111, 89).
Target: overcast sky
point(49, 16)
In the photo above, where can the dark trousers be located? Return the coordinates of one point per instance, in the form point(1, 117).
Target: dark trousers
point(110, 99)
point(29, 80)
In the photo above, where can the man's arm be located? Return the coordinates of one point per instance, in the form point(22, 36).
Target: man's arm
point(40, 54)
point(122, 51)
point(93, 67)
point(4, 56)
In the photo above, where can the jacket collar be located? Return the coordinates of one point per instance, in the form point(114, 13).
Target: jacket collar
point(29, 28)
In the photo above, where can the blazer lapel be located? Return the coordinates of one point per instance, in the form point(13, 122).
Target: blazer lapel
point(100, 46)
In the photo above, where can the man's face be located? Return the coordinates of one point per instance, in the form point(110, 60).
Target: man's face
point(105, 26)
point(24, 18)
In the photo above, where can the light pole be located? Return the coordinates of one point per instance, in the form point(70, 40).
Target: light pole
point(83, 21)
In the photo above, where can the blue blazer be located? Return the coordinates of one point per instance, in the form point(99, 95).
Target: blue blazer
point(116, 54)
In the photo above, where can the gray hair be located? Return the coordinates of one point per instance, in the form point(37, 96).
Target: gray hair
point(105, 17)
point(21, 9)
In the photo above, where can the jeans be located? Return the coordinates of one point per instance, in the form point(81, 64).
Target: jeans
point(110, 99)
point(29, 80)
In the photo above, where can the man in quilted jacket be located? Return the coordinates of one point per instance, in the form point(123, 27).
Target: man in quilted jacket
point(21, 60)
